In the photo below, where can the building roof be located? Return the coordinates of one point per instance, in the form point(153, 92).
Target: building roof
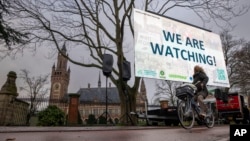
point(99, 95)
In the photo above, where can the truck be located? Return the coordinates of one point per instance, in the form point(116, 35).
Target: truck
point(228, 106)
point(159, 113)
point(231, 107)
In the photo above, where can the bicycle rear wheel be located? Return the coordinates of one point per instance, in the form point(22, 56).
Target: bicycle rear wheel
point(209, 119)
point(185, 115)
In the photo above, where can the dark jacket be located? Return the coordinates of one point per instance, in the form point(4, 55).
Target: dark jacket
point(198, 79)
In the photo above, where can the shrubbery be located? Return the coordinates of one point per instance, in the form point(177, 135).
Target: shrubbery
point(51, 116)
point(91, 120)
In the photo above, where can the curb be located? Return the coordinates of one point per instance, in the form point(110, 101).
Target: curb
point(73, 129)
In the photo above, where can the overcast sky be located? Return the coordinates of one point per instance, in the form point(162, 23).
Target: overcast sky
point(39, 64)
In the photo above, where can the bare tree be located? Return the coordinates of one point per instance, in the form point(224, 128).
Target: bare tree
point(106, 26)
point(237, 58)
point(231, 46)
point(9, 35)
point(35, 89)
point(166, 89)
point(243, 57)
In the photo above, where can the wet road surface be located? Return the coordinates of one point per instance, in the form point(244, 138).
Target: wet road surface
point(218, 133)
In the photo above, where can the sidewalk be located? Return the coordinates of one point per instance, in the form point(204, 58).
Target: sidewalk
point(12, 129)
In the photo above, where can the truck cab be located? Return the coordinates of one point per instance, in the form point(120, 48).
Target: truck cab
point(231, 107)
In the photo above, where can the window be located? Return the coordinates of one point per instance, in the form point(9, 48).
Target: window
point(86, 112)
point(110, 111)
point(95, 111)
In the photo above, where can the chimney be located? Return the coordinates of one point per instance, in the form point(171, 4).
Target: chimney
point(88, 85)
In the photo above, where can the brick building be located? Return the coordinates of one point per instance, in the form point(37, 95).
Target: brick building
point(92, 99)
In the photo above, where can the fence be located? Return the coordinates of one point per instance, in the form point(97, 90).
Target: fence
point(16, 111)
point(13, 112)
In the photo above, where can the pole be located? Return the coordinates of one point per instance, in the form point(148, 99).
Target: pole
point(127, 116)
point(106, 100)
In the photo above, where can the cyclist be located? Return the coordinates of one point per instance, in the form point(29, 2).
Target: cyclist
point(200, 80)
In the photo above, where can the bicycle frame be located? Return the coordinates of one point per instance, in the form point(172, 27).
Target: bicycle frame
point(190, 109)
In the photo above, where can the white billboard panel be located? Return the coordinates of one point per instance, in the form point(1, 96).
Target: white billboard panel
point(168, 49)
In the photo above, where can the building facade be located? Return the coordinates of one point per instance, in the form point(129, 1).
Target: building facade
point(92, 100)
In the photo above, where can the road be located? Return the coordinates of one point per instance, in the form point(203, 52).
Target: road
point(218, 133)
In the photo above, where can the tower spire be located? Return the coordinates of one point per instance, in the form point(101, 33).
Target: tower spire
point(99, 81)
point(60, 76)
point(64, 48)
point(143, 90)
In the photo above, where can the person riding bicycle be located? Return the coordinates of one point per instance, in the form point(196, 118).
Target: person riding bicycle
point(200, 80)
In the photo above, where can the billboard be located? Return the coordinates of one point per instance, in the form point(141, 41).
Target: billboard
point(168, 49)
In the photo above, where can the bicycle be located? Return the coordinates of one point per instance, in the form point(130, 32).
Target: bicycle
point(188, 110)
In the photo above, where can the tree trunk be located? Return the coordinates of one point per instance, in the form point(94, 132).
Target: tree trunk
point(128, 104)
point(248, 101)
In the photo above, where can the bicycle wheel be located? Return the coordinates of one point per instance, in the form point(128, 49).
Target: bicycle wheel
point(185, 115)
point(209, 119)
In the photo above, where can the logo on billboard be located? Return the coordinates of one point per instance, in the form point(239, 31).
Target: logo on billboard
point(150, 73)
point(221, 74)
point(162, 74)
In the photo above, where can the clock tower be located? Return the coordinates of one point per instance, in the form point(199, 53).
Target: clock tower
point(60, 76)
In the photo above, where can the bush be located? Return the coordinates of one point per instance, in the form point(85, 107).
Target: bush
point(51, 116)
point(91, 120)
point(102, 120)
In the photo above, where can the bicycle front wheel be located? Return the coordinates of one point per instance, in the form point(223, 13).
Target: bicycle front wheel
point(209, 119)
point(185, 114)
